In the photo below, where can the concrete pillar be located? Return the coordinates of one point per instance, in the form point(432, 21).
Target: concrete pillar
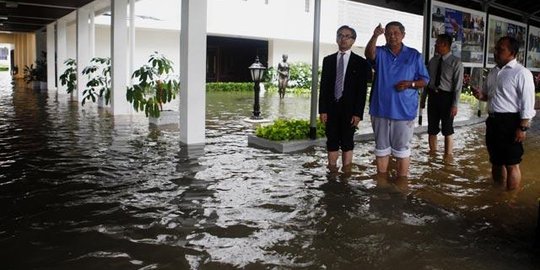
point(25, 51)
point(119, 54)
point(29, 48)
point(131, 63)
point(314, 70)
point(17, 57)
point(193, 72)
point(83, 48)
point(61, 52)
point(51, 51)
point(92, 34)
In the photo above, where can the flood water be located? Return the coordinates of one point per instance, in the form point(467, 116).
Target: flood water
point(80, 189)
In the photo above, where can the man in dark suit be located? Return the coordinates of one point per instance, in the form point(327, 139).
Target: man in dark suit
point(342, 98)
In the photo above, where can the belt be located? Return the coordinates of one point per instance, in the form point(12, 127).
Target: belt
point(436, 90)
point(500, 115)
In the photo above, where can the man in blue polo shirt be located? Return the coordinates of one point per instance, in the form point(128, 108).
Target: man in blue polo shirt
point(399, 72)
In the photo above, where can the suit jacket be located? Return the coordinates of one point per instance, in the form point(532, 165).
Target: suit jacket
point(353, 99)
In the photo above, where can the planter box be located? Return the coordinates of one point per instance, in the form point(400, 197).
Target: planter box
point(33, 85)
point(101, 102)
point(296, 145)
point(168, 118)
point(300, 145)
point(284, 146)
point(43, 86)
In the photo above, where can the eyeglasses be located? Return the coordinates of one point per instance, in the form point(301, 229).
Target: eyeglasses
point(341, 36)
point(393, 33)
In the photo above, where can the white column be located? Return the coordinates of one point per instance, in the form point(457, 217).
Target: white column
point(131, 62)
point(314, 70)
point(51, 52)
point(18, 55)
point(119, 40)
point(61, 52)
point(92, 34)
point(83, 48)
point(193, 72)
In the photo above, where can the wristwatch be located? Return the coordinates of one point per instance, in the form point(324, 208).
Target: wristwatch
point(523, 128)
point(413, 84)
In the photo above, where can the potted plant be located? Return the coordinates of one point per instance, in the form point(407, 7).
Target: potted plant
point(30, 76)
point(41, 71)
point(69, 77)
point(37, 74)
point(154, 85)
point(98, 86)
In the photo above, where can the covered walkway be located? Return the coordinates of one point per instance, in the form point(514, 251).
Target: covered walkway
point(81, 190)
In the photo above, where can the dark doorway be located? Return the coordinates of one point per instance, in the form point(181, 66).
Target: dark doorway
point(228, 59)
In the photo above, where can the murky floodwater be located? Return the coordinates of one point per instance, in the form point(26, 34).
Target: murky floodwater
point(83, 190)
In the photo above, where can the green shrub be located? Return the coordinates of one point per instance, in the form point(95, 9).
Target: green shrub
point(229, 86)
point(295, 90)
point(270, 75)
point(300, 75)
point(468, 97)
point(288, 129)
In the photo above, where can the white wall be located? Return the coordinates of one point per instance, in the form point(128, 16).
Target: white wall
point(103, 41)
point(279, 19)
point(71, 37)
point(285, 24)
point(364, 18)
point(301, 51)
point(166, 42)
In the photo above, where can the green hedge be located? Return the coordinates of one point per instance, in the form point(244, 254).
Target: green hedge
point(229, 86)
point(288, 129)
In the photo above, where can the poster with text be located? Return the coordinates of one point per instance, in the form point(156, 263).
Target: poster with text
point(533, 49)
point(467, 28)
point(499, 27)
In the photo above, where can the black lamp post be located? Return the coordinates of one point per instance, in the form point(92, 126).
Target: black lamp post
point(257, 71)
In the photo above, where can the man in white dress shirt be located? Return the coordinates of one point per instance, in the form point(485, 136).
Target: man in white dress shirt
point(509, 91)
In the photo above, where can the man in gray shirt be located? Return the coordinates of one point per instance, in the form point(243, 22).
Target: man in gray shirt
point(443, 93)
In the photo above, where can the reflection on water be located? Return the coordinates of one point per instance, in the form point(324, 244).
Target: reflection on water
point(82, 189)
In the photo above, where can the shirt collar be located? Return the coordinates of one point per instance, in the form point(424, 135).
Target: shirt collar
point(403, 48)
point(511, 64)
point(347, 52)
point(444, 57)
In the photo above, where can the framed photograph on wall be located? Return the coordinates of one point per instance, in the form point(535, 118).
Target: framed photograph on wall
point(499, 27)
point(467, 28)
point(533, 49)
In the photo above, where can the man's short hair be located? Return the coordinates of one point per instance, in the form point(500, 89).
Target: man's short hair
point(513, 42)
point(353, 32)
point(446, 38)
point(395, 23)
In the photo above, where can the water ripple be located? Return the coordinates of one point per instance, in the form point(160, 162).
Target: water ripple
point(81, 187)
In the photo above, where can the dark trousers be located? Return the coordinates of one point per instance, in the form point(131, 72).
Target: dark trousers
point(500, 138)
point(339, 130)
point(439, 105)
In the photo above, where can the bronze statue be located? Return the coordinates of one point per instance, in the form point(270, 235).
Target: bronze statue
point(283, 76)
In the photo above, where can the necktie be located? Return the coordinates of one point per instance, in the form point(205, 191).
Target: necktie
point(439, 72)
point(338, 89)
